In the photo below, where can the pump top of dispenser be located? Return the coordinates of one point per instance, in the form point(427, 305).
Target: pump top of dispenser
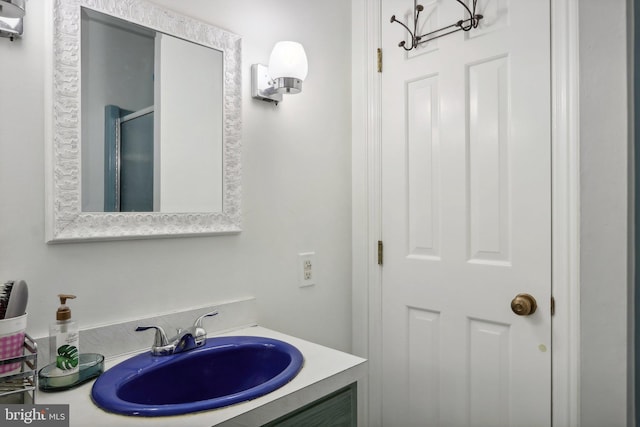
point(64, 312)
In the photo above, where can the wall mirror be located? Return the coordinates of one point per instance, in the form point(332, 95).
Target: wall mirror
point(145, 123)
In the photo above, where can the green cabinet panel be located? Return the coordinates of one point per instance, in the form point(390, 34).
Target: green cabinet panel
point(338, 409)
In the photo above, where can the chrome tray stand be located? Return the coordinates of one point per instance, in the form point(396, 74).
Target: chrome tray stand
point(20, 387)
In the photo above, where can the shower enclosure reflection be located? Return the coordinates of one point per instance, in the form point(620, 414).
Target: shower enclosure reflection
point(128, 175)
point(152, 116)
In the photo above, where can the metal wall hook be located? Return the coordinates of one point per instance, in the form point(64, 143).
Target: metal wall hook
point(464, 24)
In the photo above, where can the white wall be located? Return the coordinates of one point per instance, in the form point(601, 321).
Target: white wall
point(296, 191)
point(605, 232)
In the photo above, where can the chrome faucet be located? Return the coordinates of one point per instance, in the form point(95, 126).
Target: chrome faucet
point(186, 339)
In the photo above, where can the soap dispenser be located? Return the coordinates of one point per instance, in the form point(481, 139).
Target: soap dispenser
point(64, 340)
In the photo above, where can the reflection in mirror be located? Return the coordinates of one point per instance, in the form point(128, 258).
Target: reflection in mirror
point(174, 91)
point(151, 120)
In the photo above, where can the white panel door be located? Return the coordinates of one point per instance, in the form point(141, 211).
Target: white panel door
point(466, 193)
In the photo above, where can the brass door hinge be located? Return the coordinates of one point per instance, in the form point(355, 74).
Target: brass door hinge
point(380, 251)
point(379, 60)
point(553, 306)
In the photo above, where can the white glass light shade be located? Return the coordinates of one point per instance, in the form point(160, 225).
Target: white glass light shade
point(288, 59)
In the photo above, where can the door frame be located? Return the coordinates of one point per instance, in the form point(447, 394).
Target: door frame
point(366, 203)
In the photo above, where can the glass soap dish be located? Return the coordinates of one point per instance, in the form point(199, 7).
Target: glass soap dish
point(91, 366)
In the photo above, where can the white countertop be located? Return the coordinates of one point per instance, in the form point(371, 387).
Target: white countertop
point(325, 370)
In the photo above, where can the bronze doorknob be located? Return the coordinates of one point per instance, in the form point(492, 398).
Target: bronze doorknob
point(524, 305)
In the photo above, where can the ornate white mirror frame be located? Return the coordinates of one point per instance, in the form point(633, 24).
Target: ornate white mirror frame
point(65, 221)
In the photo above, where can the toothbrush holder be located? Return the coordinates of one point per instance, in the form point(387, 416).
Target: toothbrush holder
point(11, 343)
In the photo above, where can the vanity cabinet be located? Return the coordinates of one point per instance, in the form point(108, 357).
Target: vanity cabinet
point(338, 409)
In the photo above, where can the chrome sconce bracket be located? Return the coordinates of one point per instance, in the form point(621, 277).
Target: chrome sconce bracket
point(262, 86)
point(10, 27)
point(11, 13)
point(417, 39)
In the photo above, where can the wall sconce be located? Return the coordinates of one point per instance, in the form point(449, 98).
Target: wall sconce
point(287, 70)
point(11, 13)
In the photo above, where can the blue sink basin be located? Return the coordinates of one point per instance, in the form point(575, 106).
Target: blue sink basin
point(224, 371)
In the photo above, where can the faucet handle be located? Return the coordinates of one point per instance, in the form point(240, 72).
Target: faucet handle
point(161, 339)
point(198, 322)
